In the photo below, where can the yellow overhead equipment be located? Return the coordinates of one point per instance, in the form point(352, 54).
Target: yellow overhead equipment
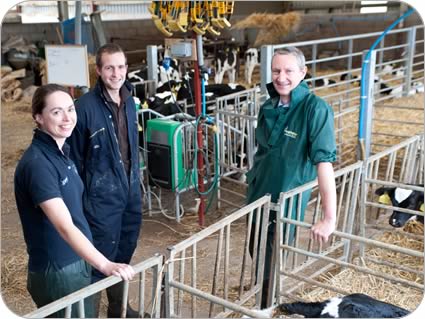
point(199, 16)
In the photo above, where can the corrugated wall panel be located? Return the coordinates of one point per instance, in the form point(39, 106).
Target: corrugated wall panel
point(303, 5)
point(123, 10)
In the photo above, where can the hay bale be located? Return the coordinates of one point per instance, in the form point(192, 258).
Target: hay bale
point(43, 71)
point(273, 27)
point(92, 70)
point(12, 95)
point(5, 70)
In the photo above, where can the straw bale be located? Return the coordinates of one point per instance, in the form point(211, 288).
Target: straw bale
point(5, 69)
point(92, 70)
point(12, 94)
point(272, 27)
point(43, 71)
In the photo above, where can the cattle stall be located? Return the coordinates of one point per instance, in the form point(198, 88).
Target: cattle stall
point(148, 280)
point(400, 166)
point(373, 262)
point(236, 117)
point(229, 280)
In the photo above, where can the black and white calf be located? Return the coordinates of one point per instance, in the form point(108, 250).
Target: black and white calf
point(380, 87)
point(403, 198)
point(213, 91)
point(252, 59)
point(393, 69)
point(164, 103)
point(318, 82)
point(225, 62)
point(417, 87)
point(350, 306)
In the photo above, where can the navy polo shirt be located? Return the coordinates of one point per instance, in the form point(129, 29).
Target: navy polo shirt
point(43, 173)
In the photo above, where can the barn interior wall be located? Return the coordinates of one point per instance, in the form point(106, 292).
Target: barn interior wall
point(137, 34)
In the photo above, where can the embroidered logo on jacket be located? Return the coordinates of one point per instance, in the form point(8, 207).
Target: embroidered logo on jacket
point(290, 133)
point(64, 181)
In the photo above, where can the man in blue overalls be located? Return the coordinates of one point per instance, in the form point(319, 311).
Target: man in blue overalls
point(104, 147)
point(296, 144)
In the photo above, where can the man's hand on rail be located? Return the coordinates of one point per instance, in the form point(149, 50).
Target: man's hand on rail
point(322, 230)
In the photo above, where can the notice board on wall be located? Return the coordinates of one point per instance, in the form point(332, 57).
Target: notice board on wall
point(67, 65)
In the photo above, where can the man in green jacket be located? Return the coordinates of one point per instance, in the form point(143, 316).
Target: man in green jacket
point(296, 144)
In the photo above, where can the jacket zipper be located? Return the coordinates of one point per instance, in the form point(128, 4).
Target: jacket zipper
point(98, 131)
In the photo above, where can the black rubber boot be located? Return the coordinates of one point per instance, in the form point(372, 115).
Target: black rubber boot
point(114, 294)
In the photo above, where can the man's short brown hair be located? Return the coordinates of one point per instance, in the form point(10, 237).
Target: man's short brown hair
point(109, 48)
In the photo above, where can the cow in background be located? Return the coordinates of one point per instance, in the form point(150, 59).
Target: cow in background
point(402, 198)
point(213, 91)
point(379, 87)
point(166, 72)
point(318, 82)
point(137, 78)
point(225, 63)
point(252, 59)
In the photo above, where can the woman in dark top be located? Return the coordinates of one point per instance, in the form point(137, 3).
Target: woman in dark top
point(48, 193)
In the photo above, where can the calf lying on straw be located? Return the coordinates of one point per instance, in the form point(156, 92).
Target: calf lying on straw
point(350, 306)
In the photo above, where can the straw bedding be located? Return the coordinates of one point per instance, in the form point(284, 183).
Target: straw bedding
point(356, 282)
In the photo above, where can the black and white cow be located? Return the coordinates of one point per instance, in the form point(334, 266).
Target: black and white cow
point(168, 70)
point(252, 59)
point(318, 82)
point(350, 306)
point(380, 87)
point(213, 91)
point(225, 62)
point(138, 78)
point(392, 69)
point(164, 103)
point(403, 198)
point(417, 87)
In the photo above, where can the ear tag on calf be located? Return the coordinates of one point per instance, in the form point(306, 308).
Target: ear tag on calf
point(385, 199)
point(422, 208)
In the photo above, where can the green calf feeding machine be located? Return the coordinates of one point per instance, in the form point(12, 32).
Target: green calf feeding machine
point(166, 154)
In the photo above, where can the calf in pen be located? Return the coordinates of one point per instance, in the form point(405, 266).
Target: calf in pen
point(402, 198)
point(400, 166)
point(350, 306)
point(380, 265)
